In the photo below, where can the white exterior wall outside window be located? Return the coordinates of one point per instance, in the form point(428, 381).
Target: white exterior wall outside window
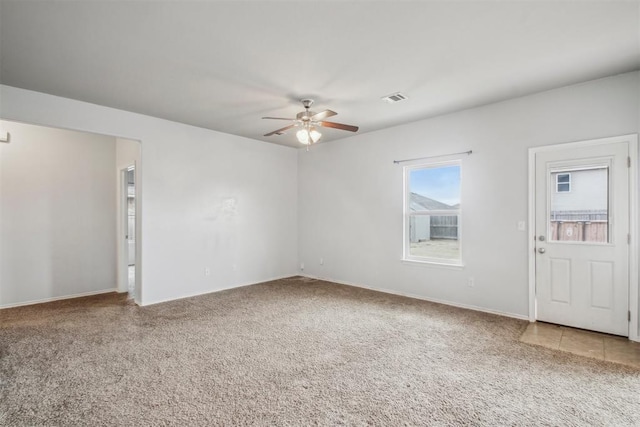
point(432, 226)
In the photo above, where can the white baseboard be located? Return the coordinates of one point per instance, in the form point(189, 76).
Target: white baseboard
point(40, 301)
point(241, 285)
point(420, 297)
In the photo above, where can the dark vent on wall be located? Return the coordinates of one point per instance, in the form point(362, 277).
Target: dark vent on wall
point(395, 97)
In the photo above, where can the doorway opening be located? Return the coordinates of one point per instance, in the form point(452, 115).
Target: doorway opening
point(131, 229)
point(79, 252)
point(129, 236)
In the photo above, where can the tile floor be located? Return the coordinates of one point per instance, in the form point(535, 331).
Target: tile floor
point(132, 278)
point(584, 343)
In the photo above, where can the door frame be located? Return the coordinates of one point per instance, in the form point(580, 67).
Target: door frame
point(632, 140)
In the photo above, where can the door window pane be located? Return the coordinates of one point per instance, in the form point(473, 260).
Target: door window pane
point(579, 208)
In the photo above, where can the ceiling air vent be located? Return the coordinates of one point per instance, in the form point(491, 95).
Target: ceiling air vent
point(395, 97)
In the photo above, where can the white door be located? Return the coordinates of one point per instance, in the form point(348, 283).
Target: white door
point(581, 232)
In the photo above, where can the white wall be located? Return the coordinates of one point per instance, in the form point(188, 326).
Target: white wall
point(350, 192)
point(589, 191)
point(208, 199)
point(221, 201)
point(57, 219)
point(637, 92)
point(127, 153)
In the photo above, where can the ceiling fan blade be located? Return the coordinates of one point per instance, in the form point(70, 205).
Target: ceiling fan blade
point(339, 126)
point(278, 118)
point(279, 131)
point(323, 115)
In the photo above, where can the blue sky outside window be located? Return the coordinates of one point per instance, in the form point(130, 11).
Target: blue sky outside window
point(437, 183)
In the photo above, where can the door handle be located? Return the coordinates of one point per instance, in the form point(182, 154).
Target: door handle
point(541, 250)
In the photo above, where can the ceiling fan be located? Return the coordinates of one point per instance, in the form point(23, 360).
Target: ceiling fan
point(308, 122)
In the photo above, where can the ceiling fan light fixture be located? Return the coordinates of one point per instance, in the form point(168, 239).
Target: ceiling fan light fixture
point(308, 136)
point(315, 135)
point(303, 136)
point(307, 122)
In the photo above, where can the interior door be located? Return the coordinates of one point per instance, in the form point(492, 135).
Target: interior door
point(581, 232)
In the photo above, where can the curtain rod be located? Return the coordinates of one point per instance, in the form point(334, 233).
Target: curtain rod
point(433, 157)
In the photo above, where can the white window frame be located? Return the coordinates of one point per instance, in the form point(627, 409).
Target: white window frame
point(407, 214)
point(558, 182)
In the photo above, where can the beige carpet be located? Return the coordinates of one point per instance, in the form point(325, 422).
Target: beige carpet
point(294, 352)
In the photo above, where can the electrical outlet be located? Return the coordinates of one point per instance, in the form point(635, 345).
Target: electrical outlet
point(321, 261)
point(302, 266)
point(207, 271)
point(522, 226)
point(471, 282)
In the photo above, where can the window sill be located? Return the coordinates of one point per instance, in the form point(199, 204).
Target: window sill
point(436, 264)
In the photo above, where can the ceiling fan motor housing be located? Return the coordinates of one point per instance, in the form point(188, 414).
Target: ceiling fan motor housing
point(304, 115)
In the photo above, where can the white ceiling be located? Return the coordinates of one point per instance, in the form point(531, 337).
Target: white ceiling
point(224, 65)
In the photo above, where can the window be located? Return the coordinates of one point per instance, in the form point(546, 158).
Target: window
point(563, 183)
point(432, 213)
point(581, 213)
